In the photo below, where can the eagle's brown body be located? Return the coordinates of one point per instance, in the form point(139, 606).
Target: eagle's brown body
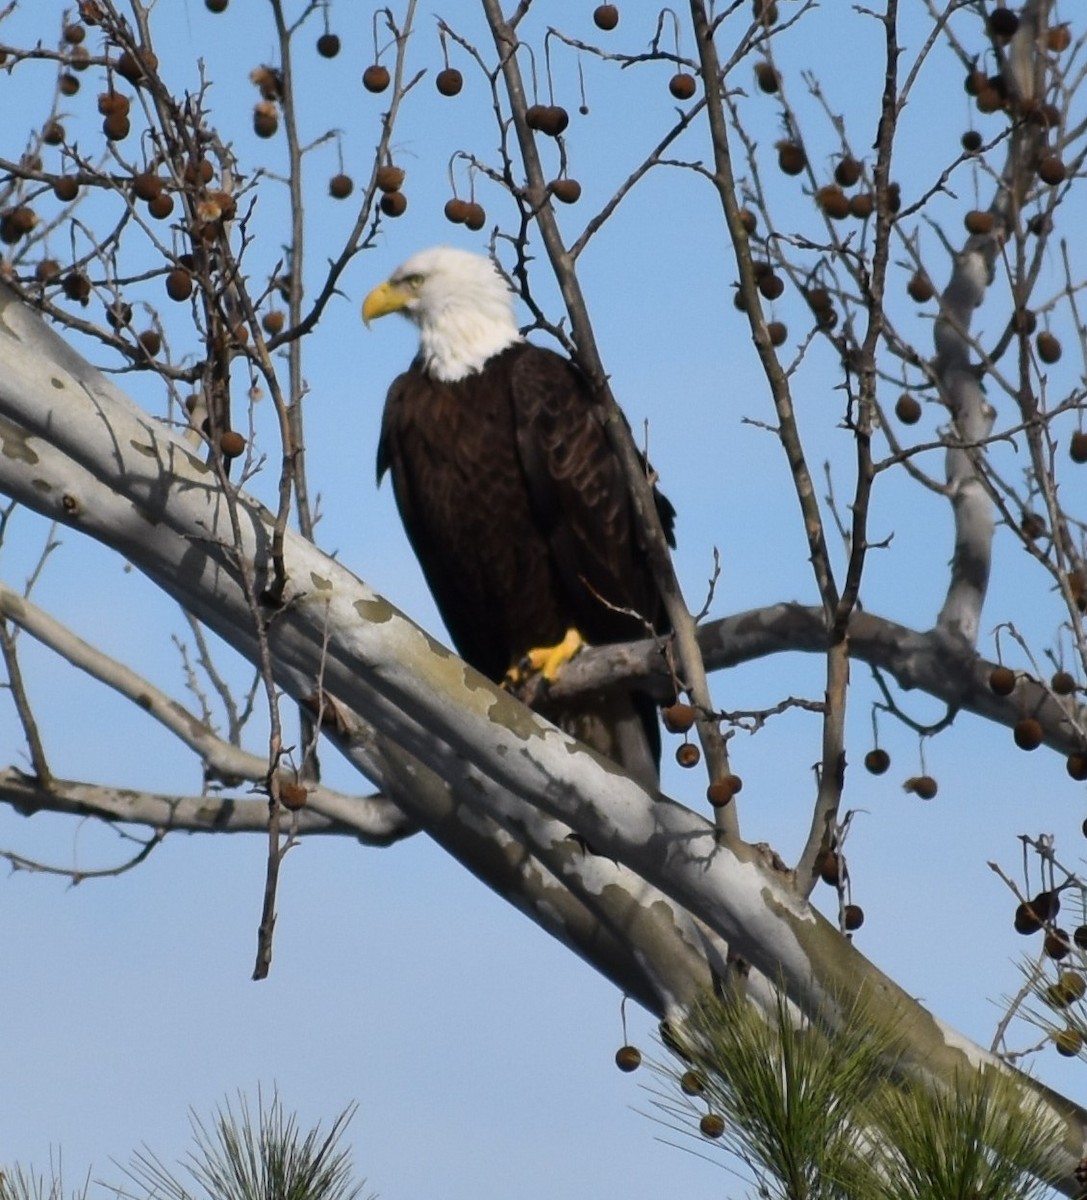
point(518, 511)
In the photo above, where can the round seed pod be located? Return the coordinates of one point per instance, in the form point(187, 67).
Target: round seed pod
point(688, 754)
point(682, 86)
point(1058, 38)
point(721, 791)
point(777, 332)
point(924, 787)
point(691, 1083)
point(146, 186)
point(68, 84)
point(920, 287)
point(151, 341)
point(16, 223)
point(1002, 23)
point(1076, 766)
point(65, 188)
point(1069, 1042)
point(791, 157)
point(390, 178)
point(628, 1058)
point(293, 796)
point(265, 119)
point(1051, 170)
point(833, 201)
point(1057, 944)
point(979, 222)
point(375, 78)
point(771, 286)
point(829, 867)
point(748, 221)
point(1026, 920)
point(456, 211)
point(847, 171)
point(449, 81)
point(712, 1125)
point(1063, 683)
point(74, 33)
point(862, 205)
point(340, 186)
point(1002, 681)
point(971, 141)
point(606, 17)
point(393, 204)
point(328, 45)
point(566, 190)
point(852, 917)
point(47, 270)
point(877, 761)
point(679, 718)
point(53, 133)
point(1048, 346)
point(1027, 733)
point(1077, 447)
point(216, 6)
point(273, 321)
point(475, 218)
point(908, 409)
point(116, 127)
point(161, 207)
point(766, 77)
point(179, 284)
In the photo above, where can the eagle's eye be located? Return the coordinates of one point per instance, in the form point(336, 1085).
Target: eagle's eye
point(415, 282)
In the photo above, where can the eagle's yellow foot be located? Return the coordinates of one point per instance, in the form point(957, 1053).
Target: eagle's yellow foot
point(544, 662)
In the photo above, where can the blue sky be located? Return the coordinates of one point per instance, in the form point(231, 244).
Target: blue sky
point(479, 1051)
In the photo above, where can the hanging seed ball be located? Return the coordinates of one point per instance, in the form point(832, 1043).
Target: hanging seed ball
point(679, 717)
point(682, 86)
point(1058, 38)
point(1063, 683)
point(146, 186)
point(1027, 733)
point(1046, 905)
point(75, 284)
point(974, 82)
point(908, 409)
point(116, 127)
point(68, 84)
point(1077, 447)
point(924, 787)
point(1026, 920)
point(1057, 944)
point(978, 222)
point(1002, 23)
point(721, 791)
point(53, 133)
point(829, 867)
point(567, 190)
point(712, 1125)
point(791, 157)
point(393, 204)
point(847, 171)
point(179, 284)
point(688, 754)
point(1049, 347)
point(265, 119)
point(216, 6)
point(819, 300)
point(456, 211)
point(748, 221)
point(877, 761)
point(691, 1083)
point(16, 223)
point(1069, 1042)
point(771, 286)
point(1079, 936)
point(74, 33)
point(340, 186)
point(136, 68)
point(1069, 987)
point(605, 16)
point(475, 218)
point(534, 116)
point(628, 1058)
point(971, 141)
point(291, 795)
point(151, 341)
point(65, 188)
point(328, 45)
point(1031, 525)
point(989, 100)
point(1076, 766)
point(390, 178)
point(199, 170)
point(766, 77)
point(778, 332)
point(1002, 681)
point(1024, 320)
point(1051, 170)
point(161, 207)
point(765, 11)
point(555, 120)
point(273, 321)
point(852, 917)
point(920, 287)
point(375, 78)
point(47, 270)
point(833, 201)
point(862, 205)
point(449, 81)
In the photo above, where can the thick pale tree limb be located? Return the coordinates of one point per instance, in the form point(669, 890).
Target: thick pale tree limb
point(73, 447)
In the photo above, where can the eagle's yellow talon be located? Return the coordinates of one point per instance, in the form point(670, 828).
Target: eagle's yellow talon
point(544, 661)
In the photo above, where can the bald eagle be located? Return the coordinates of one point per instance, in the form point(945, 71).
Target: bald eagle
point(513, 500)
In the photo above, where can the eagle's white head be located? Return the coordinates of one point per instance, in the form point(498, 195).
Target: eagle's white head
point(461, 304)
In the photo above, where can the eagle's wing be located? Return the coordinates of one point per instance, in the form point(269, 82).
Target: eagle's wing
point(580, 498)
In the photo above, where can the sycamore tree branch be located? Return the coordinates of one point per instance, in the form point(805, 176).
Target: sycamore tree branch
point(75, 448)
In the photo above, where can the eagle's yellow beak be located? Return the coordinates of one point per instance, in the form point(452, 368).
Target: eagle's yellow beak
point(387, 297)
